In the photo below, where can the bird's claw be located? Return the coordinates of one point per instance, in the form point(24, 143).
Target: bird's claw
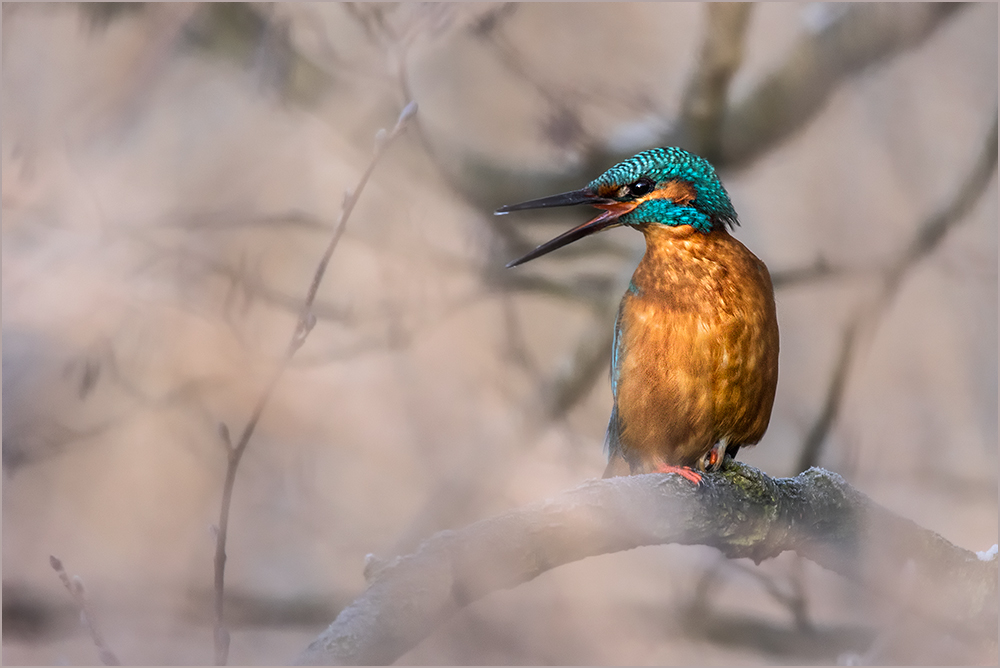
point(684, 471)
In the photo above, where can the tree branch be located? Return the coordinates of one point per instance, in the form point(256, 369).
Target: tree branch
point(704, 106)
point(862, 36)
point(794, 93)
point(741, 511)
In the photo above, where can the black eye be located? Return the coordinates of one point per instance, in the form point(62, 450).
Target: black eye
point(640, 188)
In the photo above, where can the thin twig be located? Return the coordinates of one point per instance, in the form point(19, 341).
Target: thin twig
point(305, 324)
point(795, 600)
point(75, 588)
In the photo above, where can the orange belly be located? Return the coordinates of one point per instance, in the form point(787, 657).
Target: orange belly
point(696, 350)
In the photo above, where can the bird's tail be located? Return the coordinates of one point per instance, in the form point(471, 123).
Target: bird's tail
point(616, 466)
point(616, 463)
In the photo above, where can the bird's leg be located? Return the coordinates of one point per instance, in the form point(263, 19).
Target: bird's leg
point(712, 460)
point(684, 471)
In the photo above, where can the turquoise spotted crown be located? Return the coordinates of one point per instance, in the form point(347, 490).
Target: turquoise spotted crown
point(669, 164)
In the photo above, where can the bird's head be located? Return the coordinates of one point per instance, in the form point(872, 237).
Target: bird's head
point(661, 186)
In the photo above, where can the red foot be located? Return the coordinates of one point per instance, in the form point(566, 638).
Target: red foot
point(685, 471)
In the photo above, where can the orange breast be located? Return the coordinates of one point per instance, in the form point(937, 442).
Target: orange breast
point(697, 349)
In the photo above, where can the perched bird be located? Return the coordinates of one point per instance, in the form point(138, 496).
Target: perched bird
point(694, 362)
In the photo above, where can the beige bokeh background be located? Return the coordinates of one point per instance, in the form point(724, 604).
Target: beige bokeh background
point(170, 178)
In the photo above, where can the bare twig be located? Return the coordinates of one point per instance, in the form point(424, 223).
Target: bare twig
point(740, 511)
point(305, 324)
point(75, 588)
point(794, 600)
point(928, 236)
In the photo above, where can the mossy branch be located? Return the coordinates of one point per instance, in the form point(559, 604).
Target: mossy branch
point(741, 511)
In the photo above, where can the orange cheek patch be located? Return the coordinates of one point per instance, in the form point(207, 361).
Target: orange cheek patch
point(678, 191)
point(618, 208)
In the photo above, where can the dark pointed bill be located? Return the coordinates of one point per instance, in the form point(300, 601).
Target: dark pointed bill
point(582, 196)
point(608, 218)
point(602, 222)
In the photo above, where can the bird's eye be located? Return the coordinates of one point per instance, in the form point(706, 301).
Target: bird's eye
point(639, 188)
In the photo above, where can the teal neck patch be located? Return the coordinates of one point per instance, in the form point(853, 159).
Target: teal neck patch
point(665, 212)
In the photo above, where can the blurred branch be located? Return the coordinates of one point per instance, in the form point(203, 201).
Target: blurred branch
point(588, 290)
point(257, 37)
point(928, 236)
point(817, 271)
point(164, 25)
point(76, 590)
point(305, 324)
point(587, 363)
point(704, 106)
point(245, 283)
point(862, 35)
point(741, 511)
point(795, 600)
point(794, 93)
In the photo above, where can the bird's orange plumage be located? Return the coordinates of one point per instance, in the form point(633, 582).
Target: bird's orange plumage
point(697, 350)
point(695, 359)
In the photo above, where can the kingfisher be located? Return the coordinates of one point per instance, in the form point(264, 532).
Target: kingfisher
point(694, 363)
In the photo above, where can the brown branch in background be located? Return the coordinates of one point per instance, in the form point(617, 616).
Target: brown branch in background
point(811, 447)
point(516, 349)
point(588, 362)
point(796, 92)
point(795, 600)
point(817, 271)
point(164, 25)
point(570, 291)
point(741, 511)
point(245, 284)
point(305, 324)
point(928, 236)
point(704, 105)
point(75, 588)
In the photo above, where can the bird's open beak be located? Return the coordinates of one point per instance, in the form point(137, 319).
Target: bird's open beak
point(608, 218)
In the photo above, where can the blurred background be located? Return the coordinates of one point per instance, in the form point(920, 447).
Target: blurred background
point(173, 172)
